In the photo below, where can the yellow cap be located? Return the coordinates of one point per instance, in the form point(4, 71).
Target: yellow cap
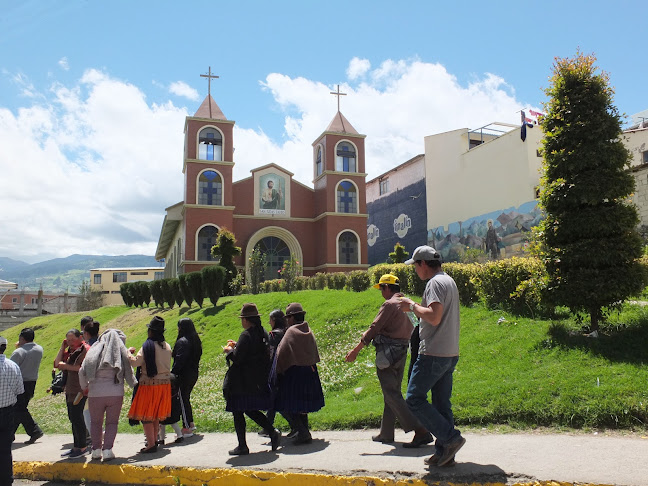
point(388, 278)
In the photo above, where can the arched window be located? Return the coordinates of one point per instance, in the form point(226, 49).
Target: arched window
point(210, 144)
point(345, 160)
point(275, 251)
point(347, 198)
point(206, 239)
point(210, 188)
point(348, 248)
point(318, 162)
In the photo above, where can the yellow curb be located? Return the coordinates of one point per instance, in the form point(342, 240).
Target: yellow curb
point(187, 476)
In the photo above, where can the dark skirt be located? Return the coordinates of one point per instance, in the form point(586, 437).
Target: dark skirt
point(243, 403)
point(300, 390)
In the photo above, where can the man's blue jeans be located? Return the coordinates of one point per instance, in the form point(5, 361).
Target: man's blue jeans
point(433, 373)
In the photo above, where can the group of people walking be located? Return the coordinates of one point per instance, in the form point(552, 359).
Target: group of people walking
point(272, 371)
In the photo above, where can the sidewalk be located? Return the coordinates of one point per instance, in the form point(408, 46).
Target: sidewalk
point(336, 456)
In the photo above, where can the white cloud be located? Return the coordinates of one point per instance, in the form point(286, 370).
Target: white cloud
point(357, 68)
point(91, 166)
point(63, 62)
point(180, 88)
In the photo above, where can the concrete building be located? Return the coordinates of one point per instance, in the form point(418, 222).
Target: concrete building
point(323, 227)
point(108, 280)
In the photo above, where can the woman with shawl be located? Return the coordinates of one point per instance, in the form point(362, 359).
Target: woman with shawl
point(102, 374)
point(300, 389)
point(152, 401)
point(245, 386)
point(186, 359)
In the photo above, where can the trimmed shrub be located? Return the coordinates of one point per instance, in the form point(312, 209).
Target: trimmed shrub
point(277, 285)
point(185, 289)
point(174, 283)
point(465, 275)
point(167, 292)
point(213, 281)
point(144, 292)
point(358, 281)
point(236, 284)
point(289, 272)
point(301, 283)
point(317, 281)
point(194, 279)
point(266, 286)
point(336, 281)
point(156, 292)
point(125, 293)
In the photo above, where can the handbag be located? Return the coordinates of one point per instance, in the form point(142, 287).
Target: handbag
point(58, 382)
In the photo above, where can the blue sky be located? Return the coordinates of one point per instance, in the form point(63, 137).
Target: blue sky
point(93, 94)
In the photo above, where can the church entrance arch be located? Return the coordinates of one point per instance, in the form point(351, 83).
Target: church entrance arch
point(277, 244)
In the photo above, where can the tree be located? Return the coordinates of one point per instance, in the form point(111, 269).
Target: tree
point(399, 255)
point(185, 289)
point(143, 292)
point(156, 292)
point(257, 266)
point(588, 241)
point(290, 270)
point(167, 292)
point(174, 284)
point(213, 280)
point(125, 293)
point(226, 249)
point(194, 279)
point(88, 299)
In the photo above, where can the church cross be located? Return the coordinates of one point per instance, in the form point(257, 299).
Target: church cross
point(338, 94)
point(209, 77)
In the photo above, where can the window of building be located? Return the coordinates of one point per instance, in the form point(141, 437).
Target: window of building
point(644, 157)
point(33, 300)
point(275, 251)
point(318, 162)
point(139, 273)
point(206, 240)
point(97, 279)
point(210, 188)
point(210, 144)
point(384, 186)
point(348, 248)
point(105, 292)
point(345, 160)
point(158, 276)
point(14, 300)
point(119, 277)
point(347, 198)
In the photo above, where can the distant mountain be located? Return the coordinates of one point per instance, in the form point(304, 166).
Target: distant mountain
point(66, 274)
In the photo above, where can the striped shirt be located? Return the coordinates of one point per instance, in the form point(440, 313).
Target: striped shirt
point(11, 384)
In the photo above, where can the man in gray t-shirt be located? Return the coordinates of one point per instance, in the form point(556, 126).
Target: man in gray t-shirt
point(438, 354)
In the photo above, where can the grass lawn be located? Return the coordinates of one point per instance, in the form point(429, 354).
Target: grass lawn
point(515, 371)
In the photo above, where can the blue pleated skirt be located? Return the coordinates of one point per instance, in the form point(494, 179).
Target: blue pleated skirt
point(299, 390)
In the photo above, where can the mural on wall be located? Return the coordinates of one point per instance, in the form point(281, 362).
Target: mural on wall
point(272, 188)
point(498, 234)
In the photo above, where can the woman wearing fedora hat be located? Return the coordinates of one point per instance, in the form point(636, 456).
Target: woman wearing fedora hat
point(245, 387)
point(152, 402)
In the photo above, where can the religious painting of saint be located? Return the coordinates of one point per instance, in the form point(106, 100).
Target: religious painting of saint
point(272, 188)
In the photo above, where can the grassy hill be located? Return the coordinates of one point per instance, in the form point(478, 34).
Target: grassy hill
point(515, 371)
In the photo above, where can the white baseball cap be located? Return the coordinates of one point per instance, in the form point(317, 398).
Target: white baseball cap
point(3, 341)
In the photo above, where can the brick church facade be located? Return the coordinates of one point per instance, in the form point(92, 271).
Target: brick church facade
point(324, 227)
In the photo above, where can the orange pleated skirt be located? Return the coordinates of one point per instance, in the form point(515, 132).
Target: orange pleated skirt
point(151, 403)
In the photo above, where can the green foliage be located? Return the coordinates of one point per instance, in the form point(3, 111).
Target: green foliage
point(400, 270)
point(213, 281)
point(174, 283)
point(125, 293)
point(588, 241)
point(317, 281)
point(143, 292)
point(88, 299)
point(473, 255)
point(498, 284)
point(156, 292)
point(301, 283)
point(336, 280)
point(465, 276)
point(289, 272)
point(399, 255)
point(236, 285)
point(167, 292)
point(257, 265)
point(225, 249)
point(358, 281)
point(194, 279)
point(185, 289)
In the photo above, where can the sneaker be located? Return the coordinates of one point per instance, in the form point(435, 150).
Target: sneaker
point(450, 450)
point(66, 453)
point(434, 461)
point(37, 435)
point(108, 455)
point(96, 454)
point(239, 451)
point(78, 453)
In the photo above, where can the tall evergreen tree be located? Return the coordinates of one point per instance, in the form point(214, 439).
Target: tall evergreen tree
point(588, 240)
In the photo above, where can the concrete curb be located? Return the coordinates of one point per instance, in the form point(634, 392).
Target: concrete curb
point(187, 476)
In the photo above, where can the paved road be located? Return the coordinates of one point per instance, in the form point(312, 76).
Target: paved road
point(487, 457)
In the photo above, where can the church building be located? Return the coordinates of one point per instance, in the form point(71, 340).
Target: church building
point(324, 227)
